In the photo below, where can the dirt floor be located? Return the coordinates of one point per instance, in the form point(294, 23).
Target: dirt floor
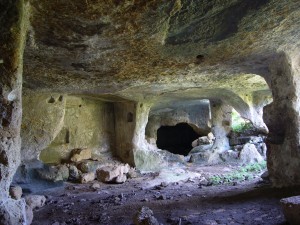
point(185, 201)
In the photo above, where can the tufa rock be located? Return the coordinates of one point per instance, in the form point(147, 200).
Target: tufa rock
point(291, 209)
point(12, 212)
point(202, 141)
point(145, 217)
point(95, 186)
point(29, 214)
point(35, 201)
point(81, 154)
point(87, 177)
point(74, 174)
point(113, 173)
point(249, 154)
point(54, 173)
point(15, 192)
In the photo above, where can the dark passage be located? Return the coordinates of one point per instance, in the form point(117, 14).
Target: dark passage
point(176, 139)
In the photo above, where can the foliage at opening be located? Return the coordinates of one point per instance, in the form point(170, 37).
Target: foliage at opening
point(245, 173)
point(239, 124)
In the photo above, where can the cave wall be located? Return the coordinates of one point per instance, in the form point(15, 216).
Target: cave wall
point(43, 118)
point(13, 28)
point(282, 117)
point(55, 124)
point(198, 116)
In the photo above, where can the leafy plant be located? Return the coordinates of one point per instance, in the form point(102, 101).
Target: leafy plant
point(245, 173)
point(238, 123)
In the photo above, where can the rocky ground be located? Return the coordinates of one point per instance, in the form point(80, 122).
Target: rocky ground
point(183, 201)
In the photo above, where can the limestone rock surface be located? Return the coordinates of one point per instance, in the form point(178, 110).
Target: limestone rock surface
point(35, 201)
point(113, 173)
point(249, 154)
point(145, 217)
point(291, 209)
point(15, 192)
point(80, 154)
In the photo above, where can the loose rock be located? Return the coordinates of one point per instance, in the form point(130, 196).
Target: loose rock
point(15, 192)
point(145, 217)
point(80, 154)
point(87, 177)
point(249, 154)
point(35, 201)
point(116, 173)
point(291, 209)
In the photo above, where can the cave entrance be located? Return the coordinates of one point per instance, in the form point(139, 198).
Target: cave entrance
point(176, 139)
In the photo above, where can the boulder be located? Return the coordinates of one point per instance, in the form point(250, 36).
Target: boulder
point(145, 217)
point(249, 154)
point(35, 201)
point(15, 192)
point(291, 209)
point(88, 166)
point(80, 154)
point(54, 173)
point(201, 141)
point(74, 174)
point(87, 177)
point(113, 173)
point(201, 148)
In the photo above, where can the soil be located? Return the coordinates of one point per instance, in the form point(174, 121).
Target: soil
point(181, 202)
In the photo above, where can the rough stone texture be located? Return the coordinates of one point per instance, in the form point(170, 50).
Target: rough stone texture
point(80, 154)
point(145, 217)
point(12, 212)
point(15, 192)
point(87, 177)
point(13, 28)
point(35, 201)
point(221, 126)
point(291, 209)
point(54, 173)
point(249, 154)
point(43, 118)
point(113, 173)
point(29, 214)
point(54, 124)
point(195, 113)
point(282, 118)
point(74, 174)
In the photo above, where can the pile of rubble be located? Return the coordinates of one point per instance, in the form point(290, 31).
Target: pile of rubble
point(82, 168)
point(244, 150)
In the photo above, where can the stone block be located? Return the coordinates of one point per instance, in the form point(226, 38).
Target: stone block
point(35, 201)
point(81, 154)
point(291, 209)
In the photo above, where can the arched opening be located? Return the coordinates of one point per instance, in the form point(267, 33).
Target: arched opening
point(176, 139)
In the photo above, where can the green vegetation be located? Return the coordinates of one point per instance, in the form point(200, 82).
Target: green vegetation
point(238, 123)
point(244, 173)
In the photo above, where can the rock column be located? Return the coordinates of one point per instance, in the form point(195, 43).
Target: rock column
point(282, 117)
point(221, 126)
point(13, 26)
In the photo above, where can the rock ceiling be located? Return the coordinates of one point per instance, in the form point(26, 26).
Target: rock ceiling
point(154, 49)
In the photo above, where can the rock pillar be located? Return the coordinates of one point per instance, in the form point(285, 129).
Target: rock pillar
point(282, 117)
point(221, 126)
point(13, 26)
point(130, 143)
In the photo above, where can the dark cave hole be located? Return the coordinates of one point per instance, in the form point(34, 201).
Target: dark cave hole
point(176, 139)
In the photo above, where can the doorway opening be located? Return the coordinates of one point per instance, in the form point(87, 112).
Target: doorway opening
point(176, 139)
